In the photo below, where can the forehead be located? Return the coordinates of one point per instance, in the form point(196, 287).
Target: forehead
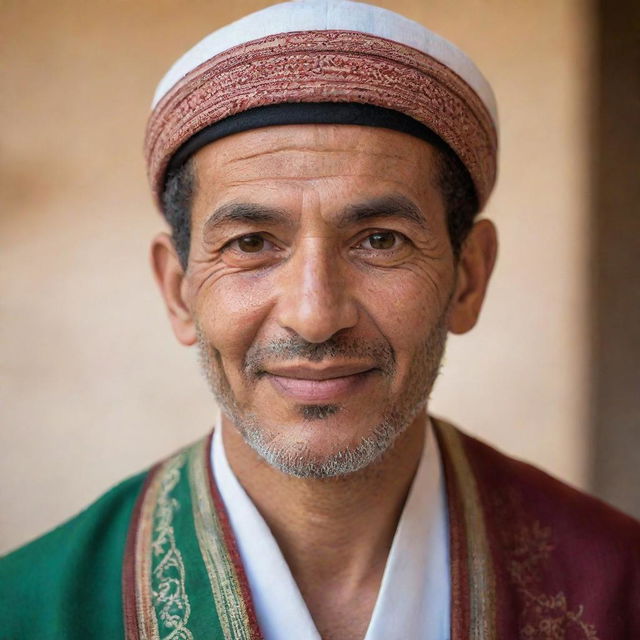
point(291, 157)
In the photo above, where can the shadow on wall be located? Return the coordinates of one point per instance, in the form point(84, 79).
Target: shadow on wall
point(615, 264)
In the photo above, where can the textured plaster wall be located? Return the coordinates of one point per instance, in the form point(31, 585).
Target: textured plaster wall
point(93, 386)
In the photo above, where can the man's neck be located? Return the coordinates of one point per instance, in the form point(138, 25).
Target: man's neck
point(335, 534)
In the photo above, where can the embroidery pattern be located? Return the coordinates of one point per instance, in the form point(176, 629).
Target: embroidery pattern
point(230, 605)
point(529, 547)
point(168, 573)
point(321, 66)
point(481, 578)
point(145, 626)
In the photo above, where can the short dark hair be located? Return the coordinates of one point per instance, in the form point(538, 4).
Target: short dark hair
point(452, 178)
point(176, 207)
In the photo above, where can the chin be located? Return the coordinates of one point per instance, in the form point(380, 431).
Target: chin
point(320, 445)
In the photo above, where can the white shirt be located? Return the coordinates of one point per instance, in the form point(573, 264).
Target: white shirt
point(414, 597)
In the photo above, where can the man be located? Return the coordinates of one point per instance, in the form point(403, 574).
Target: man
point(321, 164)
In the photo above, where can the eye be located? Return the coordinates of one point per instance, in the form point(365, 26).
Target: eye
point(251, 250)
point(382, 240)
point(252, 243)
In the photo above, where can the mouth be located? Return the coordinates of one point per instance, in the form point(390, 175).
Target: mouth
point(311, 384)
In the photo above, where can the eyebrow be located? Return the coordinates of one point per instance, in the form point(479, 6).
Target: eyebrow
point(245, 212)
point(391, 206)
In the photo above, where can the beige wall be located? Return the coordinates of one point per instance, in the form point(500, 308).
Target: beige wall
point(93, 385)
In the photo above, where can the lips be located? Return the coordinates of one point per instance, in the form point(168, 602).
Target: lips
point(310, 384)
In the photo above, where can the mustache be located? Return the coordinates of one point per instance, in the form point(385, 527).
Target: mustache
point(378, 352)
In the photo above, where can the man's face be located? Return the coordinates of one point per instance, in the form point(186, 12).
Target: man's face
point(319, 279)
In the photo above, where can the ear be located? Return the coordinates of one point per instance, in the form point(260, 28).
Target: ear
point(171, 280)
point(477, 258)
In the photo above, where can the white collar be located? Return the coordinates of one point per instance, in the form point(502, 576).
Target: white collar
point(414, 597)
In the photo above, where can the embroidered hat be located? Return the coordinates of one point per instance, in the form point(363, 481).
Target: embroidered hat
point(323, 61)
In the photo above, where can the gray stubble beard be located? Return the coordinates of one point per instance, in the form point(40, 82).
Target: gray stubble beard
point(297, 461)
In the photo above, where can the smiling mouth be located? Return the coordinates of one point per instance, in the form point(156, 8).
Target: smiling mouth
point(305, 384)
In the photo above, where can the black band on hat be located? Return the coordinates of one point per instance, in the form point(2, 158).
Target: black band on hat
point(303, 113)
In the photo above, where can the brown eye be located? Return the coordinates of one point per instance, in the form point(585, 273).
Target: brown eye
point(381, 240)
point(251, 244)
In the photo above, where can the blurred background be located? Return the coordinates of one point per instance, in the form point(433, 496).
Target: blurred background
point(93, 385)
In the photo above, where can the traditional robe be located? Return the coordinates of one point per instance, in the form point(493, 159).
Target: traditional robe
point(155, 558)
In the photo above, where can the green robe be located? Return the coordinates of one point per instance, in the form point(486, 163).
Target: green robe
point(531, 559)
point(66, 584)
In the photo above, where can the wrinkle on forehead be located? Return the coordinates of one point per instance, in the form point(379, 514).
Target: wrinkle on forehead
point(303, 149)
point(322, 139)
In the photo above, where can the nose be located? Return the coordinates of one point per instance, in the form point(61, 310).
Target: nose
point(314, 294)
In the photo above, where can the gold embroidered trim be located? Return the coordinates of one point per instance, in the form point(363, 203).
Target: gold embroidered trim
point(230, 605)
point(481, 577)
point(146, 615)
point(168, 576)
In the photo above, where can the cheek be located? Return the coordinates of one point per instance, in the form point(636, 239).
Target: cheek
point(405, 305)
point(231, 312)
